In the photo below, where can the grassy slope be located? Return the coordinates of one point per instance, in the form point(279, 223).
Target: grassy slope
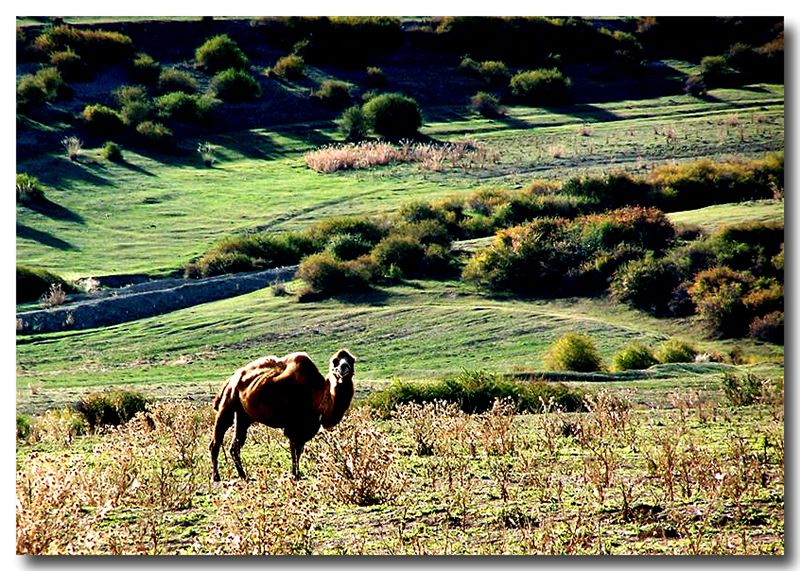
point(412, 331)
point(261, 179)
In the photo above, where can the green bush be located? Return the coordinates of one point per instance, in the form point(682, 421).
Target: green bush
point(235, 85)
point(719, 295)
point(46, 84)
point(750, 246)
point(218, 263)
point(102, 120)
point(323, 231)
point(181, 106)
point(29, 189)
point(695, 184)
point(348, 246)
point(135, 105)
point(353, 124)
point(745, 389)
point(70, 65)
point(30, 92)
point(695, 86)
point(220, 53)
point(574, 352)
point(291, 67)
point(675, 351)
point(541, 87)
point(94, 46)
point(334, 93)
point(769, 327)
point(156, 136)
point(24, 426)
point(249, 252)
point(647, 284)
point(33, 283)
point(401, 252)
point(171, 79)
point(715, 71)
point(112, 152)
point(633, 356)
point(110, 408)
point(476, 392)
point(144, 69)
point(486, 104)
point(325, 275)
point(393, 115)
point(376, 78)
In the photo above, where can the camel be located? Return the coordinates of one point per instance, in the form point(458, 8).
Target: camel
point(282, 392)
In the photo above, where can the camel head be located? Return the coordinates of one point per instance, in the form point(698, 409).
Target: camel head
point(342, 366)
point(341, 390)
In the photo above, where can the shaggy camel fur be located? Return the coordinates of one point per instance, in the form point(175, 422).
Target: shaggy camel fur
point(287, 392)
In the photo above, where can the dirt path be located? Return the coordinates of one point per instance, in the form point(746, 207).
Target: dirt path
point(118, 305)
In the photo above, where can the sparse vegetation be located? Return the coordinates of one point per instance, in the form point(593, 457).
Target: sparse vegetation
point(171, 79)
point(73, 147)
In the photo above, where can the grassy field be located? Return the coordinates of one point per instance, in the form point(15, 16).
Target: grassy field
point(152, 214)
point(664, 460)
point(419, 330)
point(701, 478)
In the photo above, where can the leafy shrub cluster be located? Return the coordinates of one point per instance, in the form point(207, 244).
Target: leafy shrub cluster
point(541, 87)
point(334, 93)
point(144, 69)
point(633, 356)
point(220, 53)
point(574, 352)
point(110, 408)
point(33, 283)
point(46, 84)
point(291, 67)
point(171, 79)
point(71, 65)
point(476, 392)
point(733, 280)
point(487, 104)
point(556, 254)
point(393, 115)
point(235, 85)
point(532, 41)
point(93, 46)
point(100, 119)
point(491, 73)
point(29, 189)
point(345, 41)
point(180, 106)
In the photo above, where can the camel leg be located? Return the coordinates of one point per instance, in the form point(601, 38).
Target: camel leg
point(242, 424)
point(222, 423)
point(296, 448)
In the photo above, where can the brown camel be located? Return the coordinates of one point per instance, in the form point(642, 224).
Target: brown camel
point(287, 392)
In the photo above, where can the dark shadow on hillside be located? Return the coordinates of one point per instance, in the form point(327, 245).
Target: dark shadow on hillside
point(252, 144)
point(48, 208)
point(134, 168)
point(312, 136)
point(63, 173)
point(44, 238)
point(373, 296)
point(587, 113)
